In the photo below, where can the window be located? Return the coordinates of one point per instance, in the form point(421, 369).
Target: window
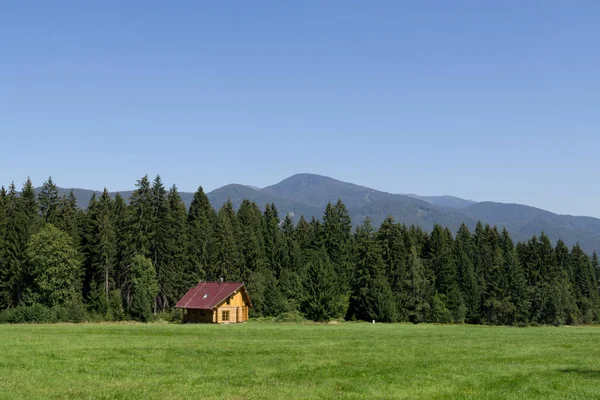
point(225, 315)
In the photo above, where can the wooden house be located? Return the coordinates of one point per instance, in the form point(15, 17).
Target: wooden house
point(216, 302)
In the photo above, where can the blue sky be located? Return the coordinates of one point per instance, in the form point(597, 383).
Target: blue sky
point(483, 100)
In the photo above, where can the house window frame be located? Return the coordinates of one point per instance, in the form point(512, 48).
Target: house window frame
point(225, 313)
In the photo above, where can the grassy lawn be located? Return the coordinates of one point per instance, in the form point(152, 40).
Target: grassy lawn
point(281, 361)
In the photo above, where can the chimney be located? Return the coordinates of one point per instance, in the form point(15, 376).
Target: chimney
point(221, 280)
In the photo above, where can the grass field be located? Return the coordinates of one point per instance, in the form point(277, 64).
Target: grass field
point(281, 361)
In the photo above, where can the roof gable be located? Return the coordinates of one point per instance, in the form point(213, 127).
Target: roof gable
point(207, 295)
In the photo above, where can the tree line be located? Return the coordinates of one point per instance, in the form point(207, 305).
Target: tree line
point(133, 260)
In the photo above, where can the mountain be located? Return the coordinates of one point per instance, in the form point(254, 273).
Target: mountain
point(445, 201)
point(308, 194)
point(524, 221)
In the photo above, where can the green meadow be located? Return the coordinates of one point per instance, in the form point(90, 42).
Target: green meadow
point(298, 361)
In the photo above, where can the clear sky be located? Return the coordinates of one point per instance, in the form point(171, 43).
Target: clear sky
point(479, 99)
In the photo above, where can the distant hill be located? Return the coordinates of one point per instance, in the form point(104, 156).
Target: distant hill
point(308, 194)
point(445, 201)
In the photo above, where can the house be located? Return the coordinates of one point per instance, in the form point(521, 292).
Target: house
point(216, 302)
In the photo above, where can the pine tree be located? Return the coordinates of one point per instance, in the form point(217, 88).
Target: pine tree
point(201, 225)
point(371, 296)
point(49, 202)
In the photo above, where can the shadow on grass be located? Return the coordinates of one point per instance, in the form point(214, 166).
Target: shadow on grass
point(587, 373)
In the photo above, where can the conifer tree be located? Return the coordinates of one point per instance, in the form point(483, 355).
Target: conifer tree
point(586, 285)
point(276, 251)
point(467, 277)
point(170, 271)
point(160, 246)
point(441, 260)
point(140, 220)
point(371, 296)
point(105, 257)
point(68, 217)
point(302, 234)
point(316, 234)
point(227, 258)
point(292, 274)
point(395, 257)
point(120, 224)
point(139, 232)
point(417, 288)
point(337, 241)
point(251, 237)
point(30, 207)
point(49, 202)
point(201, 225)
point(322, 300)
point(143, 288)
point(516, 284)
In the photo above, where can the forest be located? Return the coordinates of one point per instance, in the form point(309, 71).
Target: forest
point(121, 260)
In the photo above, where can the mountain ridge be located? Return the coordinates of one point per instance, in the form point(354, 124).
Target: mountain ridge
point(308, 194)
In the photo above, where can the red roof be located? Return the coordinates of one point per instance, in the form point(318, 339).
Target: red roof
point(208, 295)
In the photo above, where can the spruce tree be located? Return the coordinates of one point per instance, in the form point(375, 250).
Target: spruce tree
point(143, 288)
point(395, 257)
point(467, 278)
point(276, 251)
point(371, 297)
point(49, 202)
point(227, 258)
point(68, 218)
point(251, 238)
point(290, 281)
point(322, 299)
point(160, 246)
point(417, 288)
point(139, 232)
point(105, 254)
point(516, 283)
point(140, 220)
point(201, 225)
point(586, 285)
point(170, 271)
point(337, 241)
point(302, 234)
point(120, 224)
